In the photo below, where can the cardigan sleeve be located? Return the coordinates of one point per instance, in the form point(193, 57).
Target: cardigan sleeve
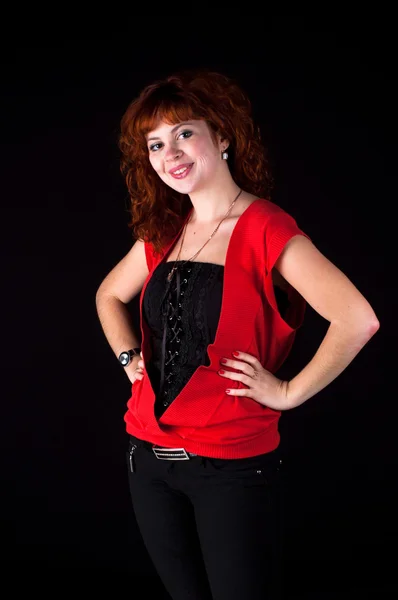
point(280, 228)
point(149, 255)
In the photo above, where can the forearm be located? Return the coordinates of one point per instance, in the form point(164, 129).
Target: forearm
point(339, 347)
point(116, 323)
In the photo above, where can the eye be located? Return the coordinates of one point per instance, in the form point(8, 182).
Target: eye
point(155, 147)
point(186, 134)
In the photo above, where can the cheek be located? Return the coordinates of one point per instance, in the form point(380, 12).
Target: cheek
point(207, 159)
point(155, 162)
point(206, 153)
point(204, 148)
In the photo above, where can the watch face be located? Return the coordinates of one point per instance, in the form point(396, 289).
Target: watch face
point(124, 358)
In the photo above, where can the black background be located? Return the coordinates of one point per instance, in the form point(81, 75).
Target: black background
point(324, 97)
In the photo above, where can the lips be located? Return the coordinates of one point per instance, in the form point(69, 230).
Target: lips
point(181, 171)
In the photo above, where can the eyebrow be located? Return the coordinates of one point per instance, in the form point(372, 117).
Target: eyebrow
point(172, 131)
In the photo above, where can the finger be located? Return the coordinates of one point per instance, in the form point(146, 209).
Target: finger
point(229, 362)
point(236, 391)
point(252, 360)
point(230, 375)
point(237, 364)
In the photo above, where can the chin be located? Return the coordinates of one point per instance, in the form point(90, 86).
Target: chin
point(182, 187)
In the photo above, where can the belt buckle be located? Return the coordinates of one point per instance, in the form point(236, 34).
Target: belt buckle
point(168, 453)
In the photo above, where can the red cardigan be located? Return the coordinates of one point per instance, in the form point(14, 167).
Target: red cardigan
point(203, 419)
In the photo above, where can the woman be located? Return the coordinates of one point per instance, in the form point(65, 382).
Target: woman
point(224, 275)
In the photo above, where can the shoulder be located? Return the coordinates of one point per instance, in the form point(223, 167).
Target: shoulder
point(269, 217)
point(268, 209)
point(271, 228)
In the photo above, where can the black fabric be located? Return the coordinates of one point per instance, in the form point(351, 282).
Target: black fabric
point(183, 318)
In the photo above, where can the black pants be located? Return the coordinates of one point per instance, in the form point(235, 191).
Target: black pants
point(212, 527)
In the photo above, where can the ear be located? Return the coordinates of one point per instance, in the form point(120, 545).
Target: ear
point(223, 143)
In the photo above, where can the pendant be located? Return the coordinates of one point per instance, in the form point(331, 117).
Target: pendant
point(170, 275)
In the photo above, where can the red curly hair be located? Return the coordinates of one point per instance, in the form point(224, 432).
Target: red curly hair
point(205, 95)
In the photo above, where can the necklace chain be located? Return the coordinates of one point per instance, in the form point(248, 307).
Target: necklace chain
point(170, 275)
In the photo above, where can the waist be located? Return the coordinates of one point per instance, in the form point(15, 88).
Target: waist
point(206, 450)
point(163, 450)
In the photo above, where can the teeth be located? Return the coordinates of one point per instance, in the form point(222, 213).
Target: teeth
point(180, 171)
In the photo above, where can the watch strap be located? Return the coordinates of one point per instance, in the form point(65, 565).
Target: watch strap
point(135, 351)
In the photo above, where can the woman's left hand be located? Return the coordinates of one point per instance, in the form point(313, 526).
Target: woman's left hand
point(263, 386)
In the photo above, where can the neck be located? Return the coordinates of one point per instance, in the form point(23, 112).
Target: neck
point(210, 205)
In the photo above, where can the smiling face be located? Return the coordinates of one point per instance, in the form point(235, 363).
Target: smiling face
point(185, 155)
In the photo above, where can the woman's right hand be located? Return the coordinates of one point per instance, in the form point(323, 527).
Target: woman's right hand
point(135, 370)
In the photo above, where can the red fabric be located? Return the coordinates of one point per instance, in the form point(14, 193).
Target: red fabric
point(203, 419)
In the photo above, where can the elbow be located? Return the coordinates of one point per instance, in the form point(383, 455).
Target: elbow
point(98, 295)
point(104, 295)
point(372, 323)
point(367, 329)
point(101, 294)
point(359, 330)
point(366, 322)
point(373, 326)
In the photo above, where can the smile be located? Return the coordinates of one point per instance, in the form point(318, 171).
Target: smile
point(181, 172)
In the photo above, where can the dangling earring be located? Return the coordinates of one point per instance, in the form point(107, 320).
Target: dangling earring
point(225, 155)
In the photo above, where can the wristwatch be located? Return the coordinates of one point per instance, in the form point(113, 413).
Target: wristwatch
point(126, 357)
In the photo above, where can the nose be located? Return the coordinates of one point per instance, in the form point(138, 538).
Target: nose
point(172, 153)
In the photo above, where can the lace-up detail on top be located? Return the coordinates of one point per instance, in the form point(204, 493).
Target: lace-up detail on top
point(183, 317)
